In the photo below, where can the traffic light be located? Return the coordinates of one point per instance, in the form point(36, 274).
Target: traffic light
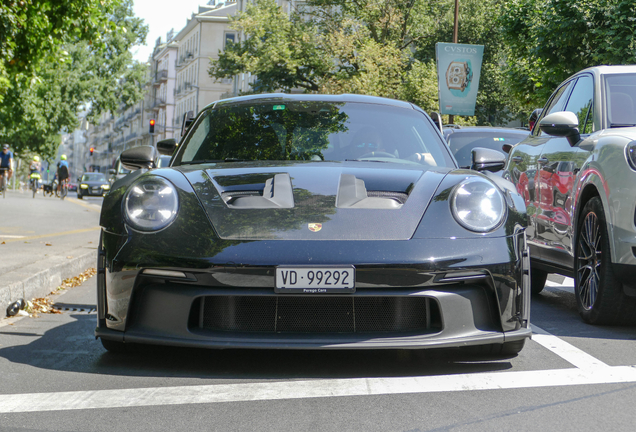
point(152, 126)
point(92, 150)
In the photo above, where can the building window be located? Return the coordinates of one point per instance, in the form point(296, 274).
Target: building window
point(230, 38)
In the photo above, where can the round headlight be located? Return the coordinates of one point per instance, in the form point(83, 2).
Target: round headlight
point(151, 203)
point(478, 205)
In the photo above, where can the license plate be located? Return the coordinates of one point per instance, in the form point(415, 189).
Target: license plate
point(315, 280)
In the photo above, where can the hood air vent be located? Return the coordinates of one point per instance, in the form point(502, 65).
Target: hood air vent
point(352, 193)
point(277, 193)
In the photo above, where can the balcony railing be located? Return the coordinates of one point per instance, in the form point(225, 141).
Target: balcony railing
point(161, 76)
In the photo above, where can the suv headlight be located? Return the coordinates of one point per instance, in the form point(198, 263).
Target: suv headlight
point(151, 203)
point(478, 205)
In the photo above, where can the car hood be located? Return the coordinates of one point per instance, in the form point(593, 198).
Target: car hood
point(314, 200)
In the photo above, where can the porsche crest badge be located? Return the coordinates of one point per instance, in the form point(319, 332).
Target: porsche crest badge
point(314, 227)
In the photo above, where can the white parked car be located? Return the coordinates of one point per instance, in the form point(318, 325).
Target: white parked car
point(580, 162)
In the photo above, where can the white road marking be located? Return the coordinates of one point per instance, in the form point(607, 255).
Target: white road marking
point(588, 370)
point(206, 394)
point(567, 285)
point(568, 352)
point(10, 236)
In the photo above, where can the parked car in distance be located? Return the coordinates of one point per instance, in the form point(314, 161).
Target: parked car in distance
point(313, 222)
point(163, 161)
point(463, 139)
point(92, 184)
point(117, 172)
point(582, 156)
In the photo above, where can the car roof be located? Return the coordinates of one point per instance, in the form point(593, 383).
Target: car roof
point(284, 97)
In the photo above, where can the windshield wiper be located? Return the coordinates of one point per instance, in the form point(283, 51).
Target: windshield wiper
point(366, 160)
point(202, 161)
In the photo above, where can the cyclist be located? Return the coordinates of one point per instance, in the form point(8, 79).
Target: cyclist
point(34, 168)
point(6, 164)
point(62, 172)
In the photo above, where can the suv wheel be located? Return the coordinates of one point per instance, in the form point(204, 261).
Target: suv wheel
point(599, 294)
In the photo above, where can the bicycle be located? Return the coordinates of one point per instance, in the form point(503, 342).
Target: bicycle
point(4, 181)
point(64, 188)
point(35, 182)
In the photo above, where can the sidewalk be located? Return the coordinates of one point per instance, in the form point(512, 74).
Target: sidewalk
point(39, 249)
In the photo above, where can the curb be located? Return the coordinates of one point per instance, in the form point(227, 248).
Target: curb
point(32, 282)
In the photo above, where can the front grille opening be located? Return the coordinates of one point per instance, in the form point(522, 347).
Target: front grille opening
point(316, 314)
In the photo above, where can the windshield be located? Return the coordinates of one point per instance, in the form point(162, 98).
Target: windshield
point(462, 143)
point(621, 95)
point(93, 177)
point(314, 130)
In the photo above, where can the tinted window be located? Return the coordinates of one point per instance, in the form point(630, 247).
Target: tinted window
point(556, 103)
point(580, 103)
point(462, 143)
point(621, 95)
point(93, 177)
point(314, 130)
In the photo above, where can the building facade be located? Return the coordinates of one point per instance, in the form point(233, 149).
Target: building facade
point(206, 32)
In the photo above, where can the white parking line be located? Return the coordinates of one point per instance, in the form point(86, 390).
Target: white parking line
point(206, 394)
point(568, 352)
point(588, 370)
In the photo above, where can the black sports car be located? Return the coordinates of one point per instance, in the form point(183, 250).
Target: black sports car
point(312, 221)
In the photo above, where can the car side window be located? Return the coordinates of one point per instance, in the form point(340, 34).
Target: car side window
point(556, 102)
point(580, 103)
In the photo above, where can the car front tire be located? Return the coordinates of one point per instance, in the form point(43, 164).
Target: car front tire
point(79, 196)
point(537, 280)
point(599, 294)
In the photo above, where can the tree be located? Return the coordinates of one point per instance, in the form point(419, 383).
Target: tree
point(97, 77)
point(549, 40)
point(384, 48)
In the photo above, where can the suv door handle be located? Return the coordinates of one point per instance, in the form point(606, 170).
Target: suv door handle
point(543, 161)
point(517, 159)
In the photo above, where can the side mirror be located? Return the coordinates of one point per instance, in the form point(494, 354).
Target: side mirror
point(437, 119)
point(506, 148)
point(487, 160)
point(188, 119)
point(139, 157)
point(112, 171)
point(562, 124)
point(532, 120)
point(167, 146)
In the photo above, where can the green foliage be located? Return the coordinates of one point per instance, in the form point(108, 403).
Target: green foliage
point(375, 47)
point(549, 40)
point(91, 67)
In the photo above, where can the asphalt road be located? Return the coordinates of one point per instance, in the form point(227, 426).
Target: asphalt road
point(34, 229)
point(54, 376)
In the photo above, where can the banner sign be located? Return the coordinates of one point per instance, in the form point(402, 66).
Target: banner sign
point(458, 72)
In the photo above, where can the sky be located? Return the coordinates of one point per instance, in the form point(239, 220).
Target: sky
point(160, 16)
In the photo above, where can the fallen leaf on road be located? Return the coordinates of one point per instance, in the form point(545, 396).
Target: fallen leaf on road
point(3, 243)
point(69, 257)
point(48, 244)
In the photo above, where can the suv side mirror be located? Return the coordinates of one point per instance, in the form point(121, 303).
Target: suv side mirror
point(562, 124)
point(139, 157)
point(167, 146)
point(487, 160)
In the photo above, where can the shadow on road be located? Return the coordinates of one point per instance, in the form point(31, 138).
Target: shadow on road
point(72, 347)
point(556, 311)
